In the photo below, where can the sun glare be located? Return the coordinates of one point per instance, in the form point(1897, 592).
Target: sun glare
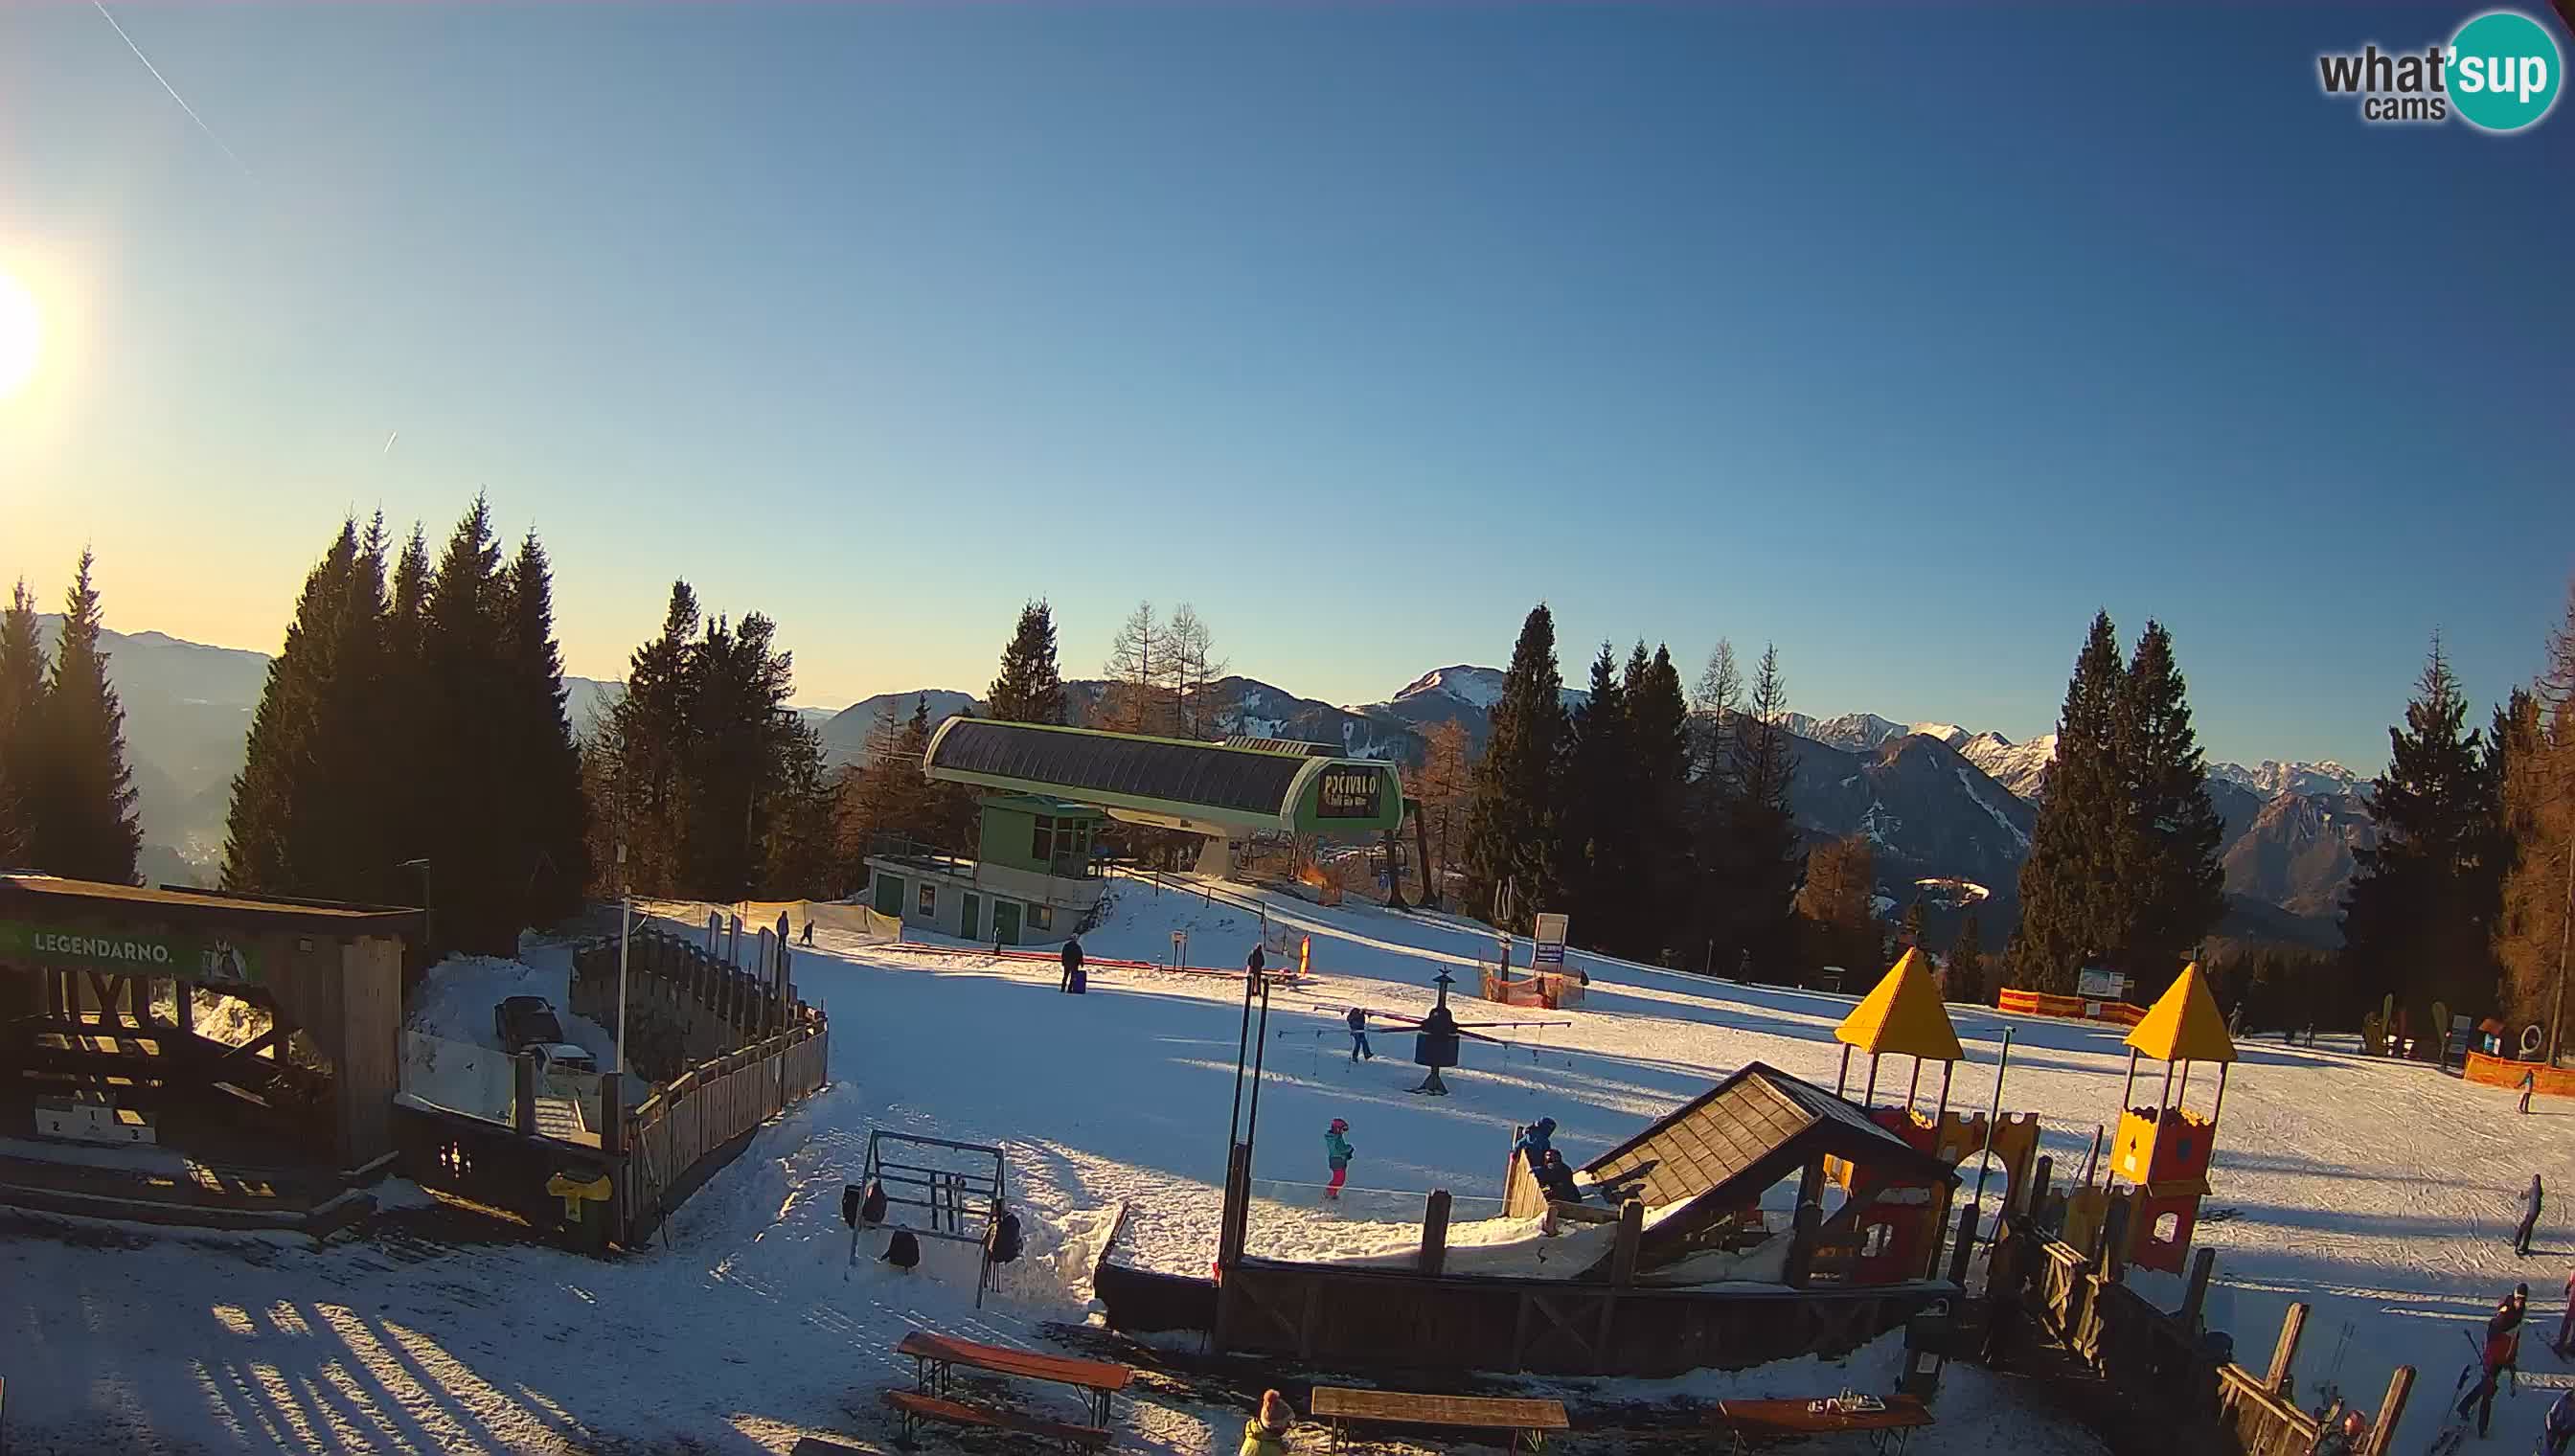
point(21, 335)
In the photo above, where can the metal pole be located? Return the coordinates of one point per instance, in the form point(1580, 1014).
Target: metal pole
point(2557, 1009)
point(1984, 1155)
point(625, 940)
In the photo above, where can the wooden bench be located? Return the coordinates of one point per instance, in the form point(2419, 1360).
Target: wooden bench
point(915, 1407)
point(1770, 1421)
point(936, 1357)
point(1528, 1421)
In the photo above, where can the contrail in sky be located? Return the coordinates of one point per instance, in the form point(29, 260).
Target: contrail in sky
point(389, 446)
point(173, 90)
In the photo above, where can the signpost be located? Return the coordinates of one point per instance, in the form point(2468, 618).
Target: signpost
point(1549, 933)
point(1180, 950)
point(2095, 985)
point(212, 959)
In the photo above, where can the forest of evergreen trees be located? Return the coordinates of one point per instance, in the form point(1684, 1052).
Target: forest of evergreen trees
point(66, 795)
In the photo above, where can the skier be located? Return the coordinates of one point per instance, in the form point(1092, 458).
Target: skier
point(807, 937)
point(2529, 1083)
point(2557, 1431)
point(1337, 1156)
point(1071, 963)
point(1358, 1018)
point(2344, 1437)
point(1558, 1180)
point(1265, 1434)
point(1534, 1140)
point(2529, 1217)
point(2501, 1353)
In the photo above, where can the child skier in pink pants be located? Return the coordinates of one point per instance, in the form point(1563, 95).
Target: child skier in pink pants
point(1337, 1154)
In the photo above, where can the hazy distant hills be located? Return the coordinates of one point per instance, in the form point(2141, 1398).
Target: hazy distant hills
point(1936, 800)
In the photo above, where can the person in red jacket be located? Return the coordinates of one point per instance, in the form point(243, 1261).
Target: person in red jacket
point(2501, 1353)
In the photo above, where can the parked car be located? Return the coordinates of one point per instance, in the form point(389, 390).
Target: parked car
point(521, 1021)
point(561, 1057)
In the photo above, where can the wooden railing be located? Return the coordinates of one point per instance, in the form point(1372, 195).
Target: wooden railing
point(680, 1136)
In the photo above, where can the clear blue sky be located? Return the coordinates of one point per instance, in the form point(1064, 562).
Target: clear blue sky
point(1903, 339)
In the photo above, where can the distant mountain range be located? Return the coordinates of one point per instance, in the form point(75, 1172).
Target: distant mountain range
point(1938, 801)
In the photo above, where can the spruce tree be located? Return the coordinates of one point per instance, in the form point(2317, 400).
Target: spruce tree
point(2071, 887)
point(402, 715)
point(1597, 807)
point(644, 744)
point(1968, 965)
point(1758, 856)
point(22, 695)
point(1030, 688)
point(800, 850)
point(547, 803)
point(479, 867)
point(1659, 724)
point(1512, 831)
point(2174, 888)
point(81, 792)
point(1912, 928)
point(2422, 903)
point(738, 685)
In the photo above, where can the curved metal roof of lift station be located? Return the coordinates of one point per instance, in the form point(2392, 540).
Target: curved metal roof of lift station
point(1207, 787)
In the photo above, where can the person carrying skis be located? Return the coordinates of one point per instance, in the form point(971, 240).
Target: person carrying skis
point(1337, 1156)
point(1071, 963)
point(1357, 1019)
point(2529, 1217)
point(2500, 1353)
point(2529, 1083)
point(2557, 1430)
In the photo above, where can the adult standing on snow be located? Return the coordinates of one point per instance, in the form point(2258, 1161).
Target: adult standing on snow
point(1357, 1019)
point(2501, 1352)
point(1337, 1156)
point(2529, 1217)
point(1255, 962)
point(1071, 963)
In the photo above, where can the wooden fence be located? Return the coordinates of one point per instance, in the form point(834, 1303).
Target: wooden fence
point(683, 1134)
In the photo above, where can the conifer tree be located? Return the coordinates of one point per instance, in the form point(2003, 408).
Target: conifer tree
point(479, 867)
point(1836, 905)
point(1030, 688)
point(644, 744)
point(801, 849)
point(2422, 905)
point(2174, 886)
point(403, 719)
point(2071, 905)
point(547, 803)
point(1599, 811)
point(22, 694)
point(1912, 930)
point(1757, 860)
point(80, 791)
point(1512, 831)
point(1659, 724)
point(1968, 963)
point(737, 691)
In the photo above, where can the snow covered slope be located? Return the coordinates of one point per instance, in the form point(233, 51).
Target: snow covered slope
point(2380, 1193)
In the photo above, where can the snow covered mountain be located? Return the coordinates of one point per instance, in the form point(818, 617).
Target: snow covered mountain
point(1858, 732)
point(2271, 778)
point(2017, 767)
point(1462, 694)
point(844, 733)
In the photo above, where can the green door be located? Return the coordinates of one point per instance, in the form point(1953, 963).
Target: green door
point(888, 895)
point(1006, 922)
point(965, 919)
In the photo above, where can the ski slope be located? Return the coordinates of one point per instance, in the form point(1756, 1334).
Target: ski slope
point(2381, 1193)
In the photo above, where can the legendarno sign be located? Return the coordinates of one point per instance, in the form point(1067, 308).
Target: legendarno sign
point(186, 957)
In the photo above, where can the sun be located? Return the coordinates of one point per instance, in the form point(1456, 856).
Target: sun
point(22, 335)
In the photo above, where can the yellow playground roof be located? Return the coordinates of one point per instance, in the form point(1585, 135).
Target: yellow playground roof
point(1903, 1015)
point(2183, 1024)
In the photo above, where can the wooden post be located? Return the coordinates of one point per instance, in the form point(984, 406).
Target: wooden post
point(2114, 1250)
point(1435, 1231)
point(524, 1102)
point(612, 1117)
point(2195, 1294)
point(1842, 1078)
point(187, 1007)
point(1965, 1247)
point(2041, 1181)
point(2391, 1409)
point(2285, 1353)
point(1631, 1238)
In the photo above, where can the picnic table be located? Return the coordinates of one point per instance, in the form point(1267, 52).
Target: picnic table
point(936, 1357)
point(1528, 1421)
point(1781, 1420)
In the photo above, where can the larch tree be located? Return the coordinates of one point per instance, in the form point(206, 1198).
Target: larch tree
point(2420, 911)
point(1138, 668)
point(1191, 667)
point(2176, 886)
point(81, 792)
point(1445, 788)
point(1030, 688)
point(1512, 830)
point(2536, 833)
point(2072, 893)
point(1838, 905)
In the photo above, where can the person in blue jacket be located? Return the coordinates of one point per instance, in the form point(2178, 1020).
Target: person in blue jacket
point(1337, 1156)
point(1357, 1021)
point(1534, 1140)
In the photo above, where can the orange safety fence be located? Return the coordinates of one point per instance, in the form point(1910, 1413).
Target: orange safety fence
point(2076, 1008)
